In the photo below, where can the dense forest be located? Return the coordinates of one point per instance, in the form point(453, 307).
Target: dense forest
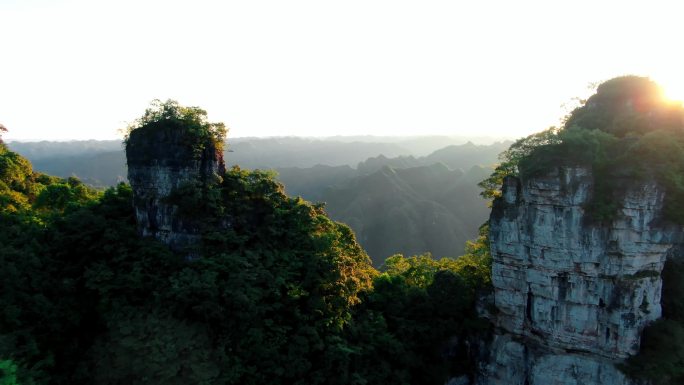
point(284, 295)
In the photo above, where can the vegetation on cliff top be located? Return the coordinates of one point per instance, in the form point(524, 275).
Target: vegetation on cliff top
point(626, 131)
point(197, 131)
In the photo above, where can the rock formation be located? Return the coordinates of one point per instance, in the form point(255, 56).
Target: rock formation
point(163, 159)
point(572, 296)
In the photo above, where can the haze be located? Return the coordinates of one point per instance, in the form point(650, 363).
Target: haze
point(82, 69)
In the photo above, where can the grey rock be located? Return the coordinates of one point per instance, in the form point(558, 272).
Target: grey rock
point(161, 160)
point(572, 296)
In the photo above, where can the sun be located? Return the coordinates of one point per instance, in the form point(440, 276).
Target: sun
point(673, 88)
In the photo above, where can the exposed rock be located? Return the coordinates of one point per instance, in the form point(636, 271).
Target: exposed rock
point(161, 160)
point(572, 296)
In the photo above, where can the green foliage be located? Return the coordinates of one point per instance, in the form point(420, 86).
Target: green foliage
point(626, 131)
point(63, 274)
point(20, 187)
point(661, 358)
point(84, 299)
point(511, 158)
point(15, 180)
point(277, 292)
point(152, 348)
point(58, 196)
point(627, 106)
point(2, 130)
point(8, 371)
point(421, 313)
point(475, 266)
point(193, 120)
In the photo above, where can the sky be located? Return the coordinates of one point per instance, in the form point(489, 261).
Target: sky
point(77, 69)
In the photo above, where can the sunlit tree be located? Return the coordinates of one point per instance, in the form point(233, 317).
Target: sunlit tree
point(3, 129)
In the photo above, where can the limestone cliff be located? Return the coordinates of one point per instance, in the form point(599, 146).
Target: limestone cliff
point(162, 159)
point(572, 296)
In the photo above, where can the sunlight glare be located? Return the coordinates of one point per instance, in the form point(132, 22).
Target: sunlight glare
point(673, 88)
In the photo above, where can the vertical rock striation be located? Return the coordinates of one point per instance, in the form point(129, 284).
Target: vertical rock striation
point(162, 159)
point(572, 296)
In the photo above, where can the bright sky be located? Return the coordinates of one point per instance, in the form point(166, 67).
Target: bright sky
point(80, 69)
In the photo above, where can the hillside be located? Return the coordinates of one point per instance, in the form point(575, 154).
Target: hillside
point(195, 274)
point(411, 211)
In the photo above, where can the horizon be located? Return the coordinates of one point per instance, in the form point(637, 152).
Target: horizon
point(78, 70)
point(478, 140)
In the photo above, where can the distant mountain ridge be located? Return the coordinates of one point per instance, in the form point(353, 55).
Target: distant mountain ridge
point(267, 153)
point(411, 210)
point(406, 204)
point(51, 149)
point(461, 156)
point(102, 163)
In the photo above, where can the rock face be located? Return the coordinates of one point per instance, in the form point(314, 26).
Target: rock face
point(161, 161)
point(572, 296)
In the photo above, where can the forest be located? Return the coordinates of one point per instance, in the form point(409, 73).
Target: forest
point(284, 296)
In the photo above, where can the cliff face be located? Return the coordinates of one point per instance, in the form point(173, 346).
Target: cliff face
point(572, 297)
point(161, 160)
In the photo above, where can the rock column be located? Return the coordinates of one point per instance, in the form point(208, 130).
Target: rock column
point(161, 159)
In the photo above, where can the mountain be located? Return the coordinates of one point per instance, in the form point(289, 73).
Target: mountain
point(419, 145)
point(268, 153)
point(461, 156)
point(74, 148)
point(311, 183)
point(411, 211)
point(98, 169)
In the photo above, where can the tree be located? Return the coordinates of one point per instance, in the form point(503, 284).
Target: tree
point(627, 105)
point(511, 158)
point(191, 119)
point(2, 130)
